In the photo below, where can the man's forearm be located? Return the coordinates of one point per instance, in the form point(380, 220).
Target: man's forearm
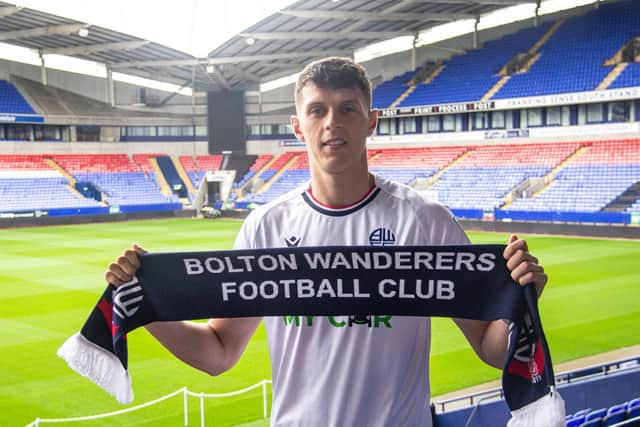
point(495, 343)
point(194, 343)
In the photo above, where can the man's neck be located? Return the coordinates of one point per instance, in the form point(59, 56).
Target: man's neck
point(339, 190)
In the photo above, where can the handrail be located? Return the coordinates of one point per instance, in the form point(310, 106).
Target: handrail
point(184, 391)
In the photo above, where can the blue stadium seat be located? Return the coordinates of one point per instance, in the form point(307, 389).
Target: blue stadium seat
point(575, 421)
point(615, 414)
point(582, 412)
point(596, 422)
point(11, 101)
point(597, 414)
point(633, 412)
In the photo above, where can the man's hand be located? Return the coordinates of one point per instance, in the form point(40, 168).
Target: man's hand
point(524, 267)
point(124, 268)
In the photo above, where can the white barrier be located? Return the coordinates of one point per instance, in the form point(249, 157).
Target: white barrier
point(185, 393)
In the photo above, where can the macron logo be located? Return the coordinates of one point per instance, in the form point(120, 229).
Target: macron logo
point(292, 241)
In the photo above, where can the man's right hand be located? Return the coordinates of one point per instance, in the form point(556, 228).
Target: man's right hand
point(124, 268)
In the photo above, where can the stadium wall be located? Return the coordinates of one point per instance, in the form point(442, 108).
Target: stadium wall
point(33, 221)
point(532, 135)
point(586, 229)
point(177, 148)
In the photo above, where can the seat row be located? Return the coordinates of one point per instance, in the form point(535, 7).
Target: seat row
point(604, 417)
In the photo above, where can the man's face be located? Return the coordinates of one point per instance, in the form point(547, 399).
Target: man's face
point(334, 124)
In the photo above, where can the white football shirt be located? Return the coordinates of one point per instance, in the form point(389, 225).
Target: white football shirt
point(347, 370)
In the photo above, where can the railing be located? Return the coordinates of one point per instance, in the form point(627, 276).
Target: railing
point(577, 375)
point(185, 393)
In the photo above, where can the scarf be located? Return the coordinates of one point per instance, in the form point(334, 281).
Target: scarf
point(470, 281)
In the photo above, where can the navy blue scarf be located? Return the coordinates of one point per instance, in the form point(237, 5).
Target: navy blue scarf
point(469, 281)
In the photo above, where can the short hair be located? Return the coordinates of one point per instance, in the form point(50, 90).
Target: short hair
point(335, 73)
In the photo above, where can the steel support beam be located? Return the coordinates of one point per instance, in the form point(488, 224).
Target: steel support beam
point(326, 35)
point(8, 10)
point(230, 59)
point(111, 99)
point(43, 69)
point(95, 48)
point(375, 16)
point(41, 31)
point(470, 2)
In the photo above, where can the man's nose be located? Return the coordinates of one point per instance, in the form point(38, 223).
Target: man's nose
point(333, 119)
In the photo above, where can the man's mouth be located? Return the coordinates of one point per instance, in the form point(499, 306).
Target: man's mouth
point(335, 142)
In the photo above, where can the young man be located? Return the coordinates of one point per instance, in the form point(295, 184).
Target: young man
point(340, 371)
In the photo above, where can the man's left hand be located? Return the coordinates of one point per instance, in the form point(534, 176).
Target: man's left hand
point(524, 266)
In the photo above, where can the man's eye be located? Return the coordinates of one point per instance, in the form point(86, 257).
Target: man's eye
point(315, 111)
point(349, 108)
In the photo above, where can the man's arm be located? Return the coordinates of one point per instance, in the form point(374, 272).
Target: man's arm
point(490, 339)
point(213, 347)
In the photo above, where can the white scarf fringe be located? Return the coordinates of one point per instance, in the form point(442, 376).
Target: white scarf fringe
point(99, 365)
point(548, 411)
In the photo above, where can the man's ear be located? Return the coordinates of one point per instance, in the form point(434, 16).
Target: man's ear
point(373, 121)
point(295, 126)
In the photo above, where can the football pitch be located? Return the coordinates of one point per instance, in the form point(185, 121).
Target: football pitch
point(50, 278)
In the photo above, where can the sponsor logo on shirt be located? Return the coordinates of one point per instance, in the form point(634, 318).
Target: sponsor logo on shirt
point(339, 321)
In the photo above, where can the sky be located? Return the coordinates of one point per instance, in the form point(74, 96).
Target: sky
point(193, 26)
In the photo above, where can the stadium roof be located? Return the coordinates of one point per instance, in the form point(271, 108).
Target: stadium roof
point(277, 45)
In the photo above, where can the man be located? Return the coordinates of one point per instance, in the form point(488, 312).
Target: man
point(340, 371)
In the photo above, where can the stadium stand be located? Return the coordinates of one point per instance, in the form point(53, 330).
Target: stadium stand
point(576, 53)
point(209, 163)
point(628, 78)
point(117, 176)
point(591, 180)
point(76, 183)
point(588, 176)
point(289, 171)
point(616, 414)
point(260, 162)
point(572, 176)
point(483, 179)
point(470, 76)
point(12, 101)
point(190, 166)
point(28, 183)
point(387, 92)
point(408, 164)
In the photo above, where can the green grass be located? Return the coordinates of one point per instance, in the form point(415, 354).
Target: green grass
point(51, 277)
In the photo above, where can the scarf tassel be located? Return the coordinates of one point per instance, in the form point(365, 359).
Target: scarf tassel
point(99, 365)
point(548, 411)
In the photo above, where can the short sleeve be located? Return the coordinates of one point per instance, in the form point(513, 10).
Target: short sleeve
point(247, 235)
